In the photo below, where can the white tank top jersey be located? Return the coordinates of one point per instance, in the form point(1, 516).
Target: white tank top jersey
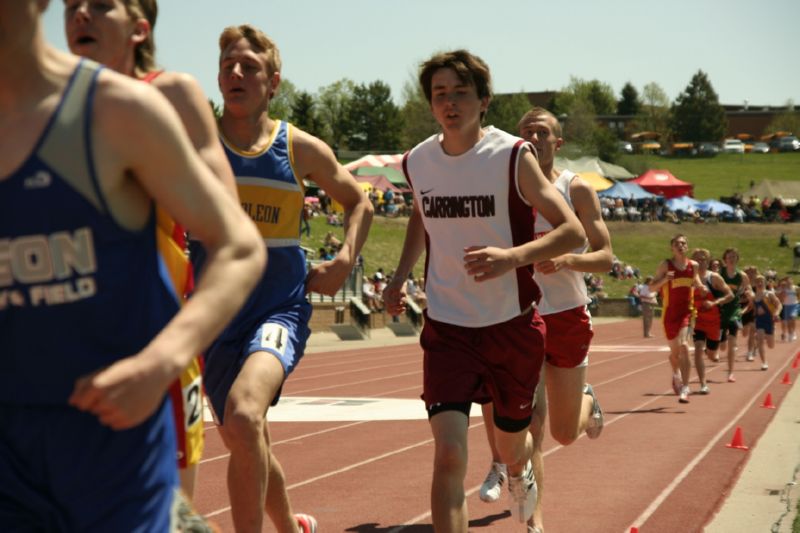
point(472, 199)
point(564, 289)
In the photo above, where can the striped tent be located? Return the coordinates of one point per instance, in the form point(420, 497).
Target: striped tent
point(394, 161)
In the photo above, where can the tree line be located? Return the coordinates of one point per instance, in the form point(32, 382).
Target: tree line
point(364, 117)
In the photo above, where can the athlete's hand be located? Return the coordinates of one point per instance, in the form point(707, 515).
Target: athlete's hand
point(487, 262)
point(124, 394)
point(550, 266)
point(328, 277)
point(395, 297)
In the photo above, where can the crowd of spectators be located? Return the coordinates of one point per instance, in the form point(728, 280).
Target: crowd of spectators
point(752, 209)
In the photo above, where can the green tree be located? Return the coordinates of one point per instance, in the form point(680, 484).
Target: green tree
point(599, 96)
point(505, 110)
point(215, 108)
point(629, 103)
point(281, 104)
point(373, 120)
point(789, 120)
point(654, 113)
point(304, 114)
point(332, 105)
point(697, 114)
point(418, 121)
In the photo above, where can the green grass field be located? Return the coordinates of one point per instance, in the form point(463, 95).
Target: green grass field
point(645, 244)
point(722, 175)
point(642, 244)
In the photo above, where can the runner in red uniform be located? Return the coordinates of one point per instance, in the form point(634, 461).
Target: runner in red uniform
point(676, 278)
point(707, 301)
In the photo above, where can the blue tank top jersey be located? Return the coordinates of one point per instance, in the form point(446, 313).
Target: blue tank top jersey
point(77, 290)
point(272, 195)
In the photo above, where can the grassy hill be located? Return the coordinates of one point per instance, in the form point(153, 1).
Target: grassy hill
point(722, 175)
point(645, 244)
point(642, 244)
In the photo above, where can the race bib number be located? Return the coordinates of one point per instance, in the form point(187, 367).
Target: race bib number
point(274, 337)
point(193, 402)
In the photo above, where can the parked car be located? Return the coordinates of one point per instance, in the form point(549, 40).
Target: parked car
point(625, 147)
point(708, 149)
point(760, 148)
point(788, 144)
point(650, 146)
point(733, 146)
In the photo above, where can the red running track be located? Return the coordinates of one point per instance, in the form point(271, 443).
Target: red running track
point(660, 466)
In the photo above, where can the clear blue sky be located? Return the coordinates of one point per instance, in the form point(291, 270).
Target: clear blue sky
point(748, 49)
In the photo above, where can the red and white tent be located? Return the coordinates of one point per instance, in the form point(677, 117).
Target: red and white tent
point(663, 183)
point(394, 161)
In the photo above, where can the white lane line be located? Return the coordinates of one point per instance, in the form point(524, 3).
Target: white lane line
point(642, 518)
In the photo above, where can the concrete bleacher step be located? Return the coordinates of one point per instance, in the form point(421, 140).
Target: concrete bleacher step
point(349, 332)
point(402, 329)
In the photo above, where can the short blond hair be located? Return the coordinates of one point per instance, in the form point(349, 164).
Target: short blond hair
point(541, 112)
point(145, 52)
point(703, 252)
point(259, 40)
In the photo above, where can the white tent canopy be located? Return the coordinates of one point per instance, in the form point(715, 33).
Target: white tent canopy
point(594, 164)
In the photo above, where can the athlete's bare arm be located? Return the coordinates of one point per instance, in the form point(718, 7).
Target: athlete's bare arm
point(163, 166)
point(718, 283)
point(188, 99)
point(315, 161)
point(487, 262)
point(587, 208)
point(394, 296)
point(661, 277)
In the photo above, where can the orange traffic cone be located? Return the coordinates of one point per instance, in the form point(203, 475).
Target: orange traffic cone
point(768, 402)
point(786, 379)
point(737, 441)
point(634, 529)
point(796, 362)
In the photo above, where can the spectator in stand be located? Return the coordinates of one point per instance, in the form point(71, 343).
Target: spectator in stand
point(305, 227)
point(787, 292)
point(368, 295)
point(796, 257)
point(647, 299)
point(738, 214)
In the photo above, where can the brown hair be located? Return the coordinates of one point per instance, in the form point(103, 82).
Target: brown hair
point(259, 40)
point(538, 112)
point(729, 251)
point(469, 68)
point(676, 237)
point(145, 52)
point(702, 251)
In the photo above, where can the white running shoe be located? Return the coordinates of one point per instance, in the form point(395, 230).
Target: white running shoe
point(522, 494)
point(595, 425)
point(750, 356)
point(704, 389)
point(684, 395)
point(492, 486)
point(765, 366)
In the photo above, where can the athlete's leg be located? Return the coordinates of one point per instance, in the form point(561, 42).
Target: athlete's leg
point(448, 503)
point(188, 478)
point(699, 361)
point(569, 407)
point(537, 432)
point(277, 503)
point(683, 354)
point(488, 422)
point(732, 332)
point(762, 352)
point(243, 433)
